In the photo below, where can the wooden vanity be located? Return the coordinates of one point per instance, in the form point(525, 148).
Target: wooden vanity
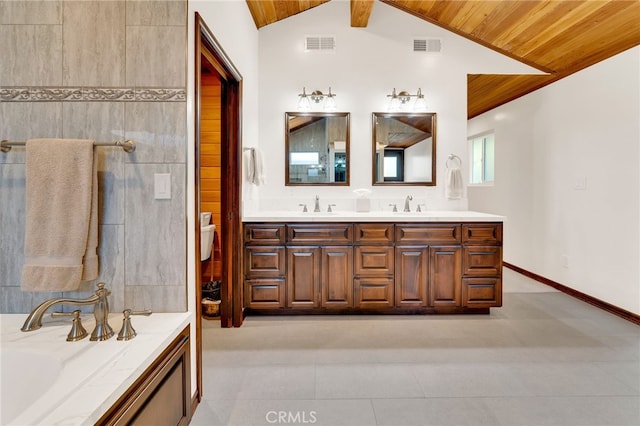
point(372, 267)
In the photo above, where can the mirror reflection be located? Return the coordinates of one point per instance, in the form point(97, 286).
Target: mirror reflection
point(317, 148)
point(404, 148)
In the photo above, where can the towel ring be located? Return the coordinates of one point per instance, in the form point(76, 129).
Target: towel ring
point(454, 158)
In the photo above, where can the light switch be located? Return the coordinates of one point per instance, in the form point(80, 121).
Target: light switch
point(162, 186)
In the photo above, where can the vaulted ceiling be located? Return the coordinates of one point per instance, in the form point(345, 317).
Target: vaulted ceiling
point(558, 37)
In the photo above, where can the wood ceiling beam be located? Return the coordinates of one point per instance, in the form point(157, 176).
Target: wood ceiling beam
point(360, 12)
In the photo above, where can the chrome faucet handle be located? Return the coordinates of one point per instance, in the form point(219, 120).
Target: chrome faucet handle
point(418, 209)
point(144, 312)
point(103, 330)
point(407, 208)
point(77, 330)
point(304, 208)
point(126, 332)
point(395, 207)
point(329, 208)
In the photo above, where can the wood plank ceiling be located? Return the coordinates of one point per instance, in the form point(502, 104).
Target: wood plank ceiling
point(558, 37)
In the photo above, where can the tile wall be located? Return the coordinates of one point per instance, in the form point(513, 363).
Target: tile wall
point(105, 70)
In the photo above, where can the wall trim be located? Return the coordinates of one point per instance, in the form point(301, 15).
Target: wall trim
point(622, 313)
point(92, 94)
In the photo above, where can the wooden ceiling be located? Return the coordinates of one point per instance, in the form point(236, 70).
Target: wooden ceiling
point(558, 37)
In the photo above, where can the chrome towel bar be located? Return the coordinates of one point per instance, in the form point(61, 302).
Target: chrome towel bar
point(128, 145)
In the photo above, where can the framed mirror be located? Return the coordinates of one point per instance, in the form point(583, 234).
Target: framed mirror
point(317, 148)
point(404, 148)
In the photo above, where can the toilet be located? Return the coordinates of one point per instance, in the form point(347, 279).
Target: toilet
point(207, 232)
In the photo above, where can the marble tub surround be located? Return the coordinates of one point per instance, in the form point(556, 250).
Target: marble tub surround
point(88, 77)
point(92, 375)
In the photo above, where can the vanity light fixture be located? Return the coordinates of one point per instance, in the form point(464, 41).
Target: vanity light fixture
point(316, 96)
point(402, 98)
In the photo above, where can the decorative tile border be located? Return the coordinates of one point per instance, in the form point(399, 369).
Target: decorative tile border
point(92, 94)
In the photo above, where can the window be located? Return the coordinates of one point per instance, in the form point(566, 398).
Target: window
point(393, 165)
point(481, 153)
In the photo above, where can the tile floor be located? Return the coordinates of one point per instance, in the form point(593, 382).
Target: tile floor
point(544, 358)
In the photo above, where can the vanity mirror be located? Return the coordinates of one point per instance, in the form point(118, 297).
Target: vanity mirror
point(317, 148)
point(404, 148)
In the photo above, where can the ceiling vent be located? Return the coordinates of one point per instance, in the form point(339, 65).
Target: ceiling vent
point(320, 44)
point(427, 45)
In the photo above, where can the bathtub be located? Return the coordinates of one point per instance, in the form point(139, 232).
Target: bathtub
point(46, 380)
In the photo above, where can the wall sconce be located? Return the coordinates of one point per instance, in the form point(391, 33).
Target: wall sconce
point(316, 96)
point(399, 100)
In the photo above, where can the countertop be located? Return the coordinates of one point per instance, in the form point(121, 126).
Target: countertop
point(375, 216)
point(94, 374)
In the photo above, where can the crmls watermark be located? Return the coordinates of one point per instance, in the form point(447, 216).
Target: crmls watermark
point(291, 417)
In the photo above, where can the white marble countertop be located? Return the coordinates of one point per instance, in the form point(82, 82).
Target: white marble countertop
point(94, 374)
point(375, 216)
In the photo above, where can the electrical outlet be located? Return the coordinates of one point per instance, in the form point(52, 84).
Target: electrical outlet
point(565, 261)
point(580, 183)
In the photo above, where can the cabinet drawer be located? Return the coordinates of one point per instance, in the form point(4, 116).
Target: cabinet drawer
point(482, 234)
point(481, 292)
point(482, 261)
point(374, 260)
point(445, 234)
point(320, 234)
point(373, 233)
point(373, 292)
point(264, 261)
point(267, 293)
point(264, 234)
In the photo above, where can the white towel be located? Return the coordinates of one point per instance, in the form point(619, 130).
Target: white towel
point(454, 184)
point(254, 167)
point(61, 226)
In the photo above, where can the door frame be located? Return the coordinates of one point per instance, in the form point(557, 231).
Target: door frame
point(231, 314)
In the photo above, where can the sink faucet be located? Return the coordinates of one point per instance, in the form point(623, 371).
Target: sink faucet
point(316, 208)
point(406, 203)
point(102, 330)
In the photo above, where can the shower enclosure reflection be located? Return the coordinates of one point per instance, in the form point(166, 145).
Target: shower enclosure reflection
point(317, 148)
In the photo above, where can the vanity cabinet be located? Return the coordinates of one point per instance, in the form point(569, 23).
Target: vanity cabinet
point(377, 267)
point(264, 266)
point(374, 266)
point(482, 265)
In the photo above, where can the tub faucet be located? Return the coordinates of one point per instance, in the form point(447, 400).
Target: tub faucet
point(406, 203)
point(316, 208)
point(102, 330)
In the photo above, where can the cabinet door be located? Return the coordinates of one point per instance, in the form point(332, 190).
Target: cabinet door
point(482, 261)
point(412, 269)
point(303, 277)
point(337, 277)
point(373, 292)
point(485, 292)
point(374, 260)
point(264, 293)
point(264, 261)
point(445, 277)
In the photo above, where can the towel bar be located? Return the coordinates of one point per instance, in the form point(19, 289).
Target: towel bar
point(128, 145)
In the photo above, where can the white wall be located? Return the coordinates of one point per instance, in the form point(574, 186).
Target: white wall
point(584, 128)
point(367, 64)
point(232, 26)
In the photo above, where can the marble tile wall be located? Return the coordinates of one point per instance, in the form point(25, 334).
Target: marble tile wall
point(105, 70)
